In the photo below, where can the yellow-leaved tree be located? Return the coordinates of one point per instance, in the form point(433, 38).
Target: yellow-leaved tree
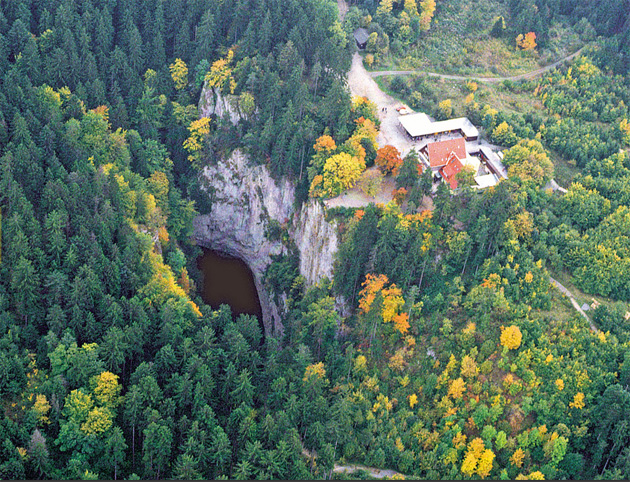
point(411, 8)
point(179, 73)
point(427, 9)
point(316, 370)
point(77, 406)
point(341, 171)
point(469, 367)
point(456, 388)
point(99, 420)
point(578, 401)
point(446, 108)
point(528, 160)
point(106, 389)
point(384, 7)
point(41, 408)
point(511, 337)
point(624, 127)
point(517, 457)
point(198, 130)
point(473, 454)
point(220, 76)
point(485, 463)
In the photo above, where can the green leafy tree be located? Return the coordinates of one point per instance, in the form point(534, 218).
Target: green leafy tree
point(529, 162)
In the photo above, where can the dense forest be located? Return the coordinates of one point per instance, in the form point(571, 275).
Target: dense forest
point(457, 359)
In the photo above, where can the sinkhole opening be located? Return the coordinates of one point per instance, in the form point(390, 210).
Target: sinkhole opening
point(228, 280)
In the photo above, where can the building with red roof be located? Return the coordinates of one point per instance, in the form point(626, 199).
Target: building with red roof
point(451, 169)
point(439, 153)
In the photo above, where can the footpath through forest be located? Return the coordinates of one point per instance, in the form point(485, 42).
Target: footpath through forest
point(575, 304)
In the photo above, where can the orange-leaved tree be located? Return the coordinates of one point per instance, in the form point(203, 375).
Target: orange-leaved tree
point(527, 41)
point(391, 301)
point(388, 160)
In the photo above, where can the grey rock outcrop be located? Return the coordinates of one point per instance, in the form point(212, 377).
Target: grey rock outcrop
point(245, 198)
point(212, 102)
point(316, 240)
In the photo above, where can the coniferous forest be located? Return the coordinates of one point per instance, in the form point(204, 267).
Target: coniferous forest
point(452, 355)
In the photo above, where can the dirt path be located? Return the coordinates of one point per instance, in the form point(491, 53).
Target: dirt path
point(575, 304)
point(343, 9)
point(363, 85)
point(528, 75)
point(555, 186)
point(355, 198)
point(376, 473)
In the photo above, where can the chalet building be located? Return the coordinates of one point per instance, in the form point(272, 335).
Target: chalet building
point(450, 171)
point(447, 147)
point(447, 159)
point(361, 36)
point(439, 154)
point(419, 127)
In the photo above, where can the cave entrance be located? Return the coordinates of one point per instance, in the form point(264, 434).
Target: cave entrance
point(228, 280)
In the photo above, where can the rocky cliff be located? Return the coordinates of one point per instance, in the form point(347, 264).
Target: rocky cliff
point(245, 198)
point(316, 240)
point(212, 102)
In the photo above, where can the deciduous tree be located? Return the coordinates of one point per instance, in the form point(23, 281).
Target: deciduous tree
point(179, 73)
point(527, 41)
point(388, 160)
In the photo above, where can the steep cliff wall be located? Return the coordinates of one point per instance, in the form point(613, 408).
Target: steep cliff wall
point(245, 198)
point(316, 240)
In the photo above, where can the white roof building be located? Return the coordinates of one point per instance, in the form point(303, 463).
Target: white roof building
point(419, 125)
point(486, 180)
point(494, 161)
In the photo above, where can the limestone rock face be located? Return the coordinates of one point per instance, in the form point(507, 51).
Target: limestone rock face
point(316, 239)
point(245, 198)
point(214, 103)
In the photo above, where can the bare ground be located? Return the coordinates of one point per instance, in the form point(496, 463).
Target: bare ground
point(343, 9)
point(376, 473)
point(361, 84)
point(575, 304)
point(355, 198)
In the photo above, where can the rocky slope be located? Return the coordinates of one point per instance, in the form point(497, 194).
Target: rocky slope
point(245, 198)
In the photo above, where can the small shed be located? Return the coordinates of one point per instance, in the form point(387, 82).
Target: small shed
point(361, 36)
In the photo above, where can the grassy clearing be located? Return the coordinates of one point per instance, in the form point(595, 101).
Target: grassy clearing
point(497, 95)
point(565, 170)
point(580, 296)
point(459, 42)
point(561, 308)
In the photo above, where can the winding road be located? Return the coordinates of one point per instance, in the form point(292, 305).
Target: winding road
point(528, 75)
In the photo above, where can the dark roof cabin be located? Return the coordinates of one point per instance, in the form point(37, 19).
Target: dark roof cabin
point(361, 36)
